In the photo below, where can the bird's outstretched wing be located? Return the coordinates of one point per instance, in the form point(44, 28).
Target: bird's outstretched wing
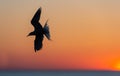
point(46, 30)
point(36, 18)
point(38, 43)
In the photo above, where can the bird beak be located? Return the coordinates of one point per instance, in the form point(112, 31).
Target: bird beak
point(27, 35)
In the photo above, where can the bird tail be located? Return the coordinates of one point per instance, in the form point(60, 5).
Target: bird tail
point(46, 30)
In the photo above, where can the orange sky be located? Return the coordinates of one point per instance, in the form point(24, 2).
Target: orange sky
point(85, 34)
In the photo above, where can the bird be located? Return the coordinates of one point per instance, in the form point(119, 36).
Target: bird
point(39, 31)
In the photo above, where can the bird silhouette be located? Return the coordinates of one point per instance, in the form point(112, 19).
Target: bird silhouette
point(39, 31)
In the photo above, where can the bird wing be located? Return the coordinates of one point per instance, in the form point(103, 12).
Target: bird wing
point(38, 42)
point(36, 18)
point(46, 31)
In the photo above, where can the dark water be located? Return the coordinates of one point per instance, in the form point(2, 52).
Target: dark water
point(59, 73)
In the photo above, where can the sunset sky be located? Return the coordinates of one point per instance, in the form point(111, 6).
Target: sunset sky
point(85, 35)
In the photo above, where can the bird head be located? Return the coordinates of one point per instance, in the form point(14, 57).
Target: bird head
point(31, 34)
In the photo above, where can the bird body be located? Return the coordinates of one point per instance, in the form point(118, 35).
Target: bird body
point(39, 31)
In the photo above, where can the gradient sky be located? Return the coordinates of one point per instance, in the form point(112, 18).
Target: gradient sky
point(85, 35)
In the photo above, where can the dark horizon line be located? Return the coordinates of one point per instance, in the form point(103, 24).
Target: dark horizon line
point(57, 70)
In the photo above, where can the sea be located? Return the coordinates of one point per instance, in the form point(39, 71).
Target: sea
point(59, 73)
